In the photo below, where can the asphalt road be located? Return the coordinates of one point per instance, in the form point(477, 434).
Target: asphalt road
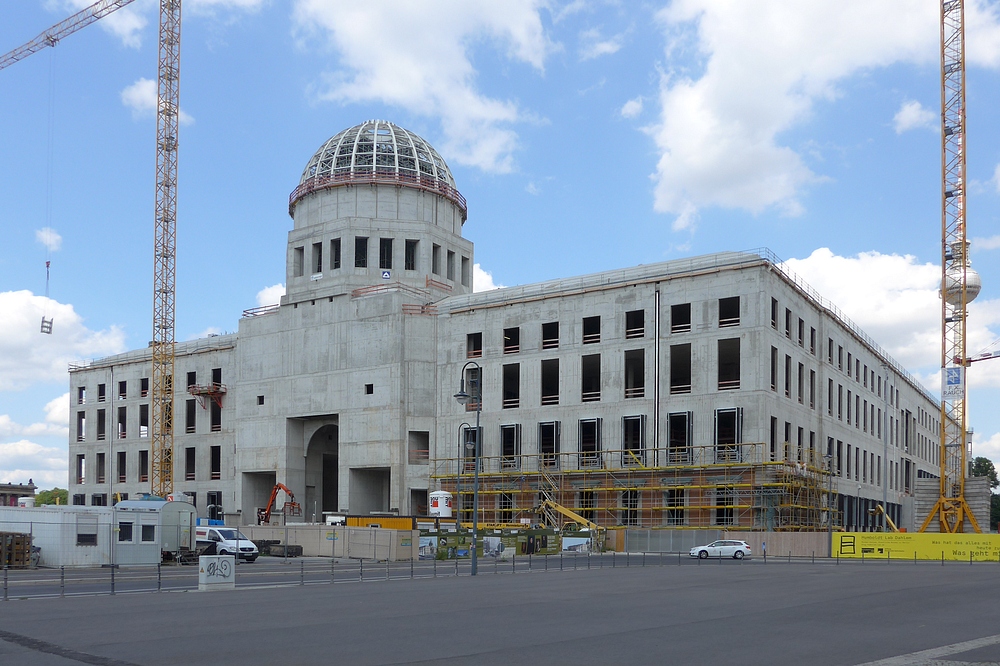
point(752, 613)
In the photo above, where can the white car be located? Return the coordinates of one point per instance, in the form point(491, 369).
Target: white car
point(722, 548)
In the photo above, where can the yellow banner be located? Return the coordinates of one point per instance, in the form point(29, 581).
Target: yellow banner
point(922, 546)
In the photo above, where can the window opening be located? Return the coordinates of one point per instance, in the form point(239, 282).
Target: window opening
point(550, 381)
point(586, 504)
point(774, 313)
point(144, 387)
point(788, 323)
point(410, 255)
point(317, 258)
point(550, 335)
point(729, 364)
point(633, 440)
point(511, 385)
point(510, 446)
point(81, 469)
point(474, 345)
point(774, 369)
point(360, 252)
point(590, 371)
point(122, 390)
point(81, 395)
point(635, 325)
point(729, 311)
point(590, 443)
point(451, 265)
point(591, 330)
point(675, 499)
point(802, 333)
point(385, 253)
point(100, 392)
point(680, 318)
point(511, 340)
point(143, 466)
point(335, 254)
point(635, 380)
point(299, 261)
point(466, 273)
point(189, 463)
point(86, 529)
point(679, 437)
point(436, 259)
point(680, 369)
point(189, 416)
point(125, 532)
point(143, 420)
point(101, 467)
point(548, 443)
point(728, 434)
point(629, 512)
point(120, 464)
point(102, 423)
point(216, 462)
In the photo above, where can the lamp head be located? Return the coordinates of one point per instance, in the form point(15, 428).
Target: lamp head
point(462, 397)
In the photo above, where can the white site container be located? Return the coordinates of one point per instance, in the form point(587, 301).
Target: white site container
point(441, 503)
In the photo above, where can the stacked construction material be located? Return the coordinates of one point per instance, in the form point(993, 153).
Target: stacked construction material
point(15, 550)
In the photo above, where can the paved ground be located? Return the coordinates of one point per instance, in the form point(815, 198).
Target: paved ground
point(747, 614)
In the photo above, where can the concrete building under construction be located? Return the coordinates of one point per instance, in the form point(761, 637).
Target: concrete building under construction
point(716, 391)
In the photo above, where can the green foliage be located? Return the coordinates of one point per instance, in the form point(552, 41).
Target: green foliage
point(984, 467)
point(54, 496)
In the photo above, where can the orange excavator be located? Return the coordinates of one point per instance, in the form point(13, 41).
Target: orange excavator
point(290, 508)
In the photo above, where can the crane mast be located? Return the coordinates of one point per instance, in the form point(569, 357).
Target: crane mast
point(165, 224)
point(165, 246)
point(959, 283)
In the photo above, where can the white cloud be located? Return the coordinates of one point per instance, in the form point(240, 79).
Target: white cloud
point(28, 356)
point(49, 238)
point(126, 24)
point(23, 460)
point(996, 178)
point(593, 46)
point(533, 189)
point(894, 299)
point(417, 56)
point(56, 422)
point(987, 447)
point(270, 295)
point(141, 98)
point(991, 243)
point(632, 108)
point(483, 280)
point(763, 67)
point(913, 115)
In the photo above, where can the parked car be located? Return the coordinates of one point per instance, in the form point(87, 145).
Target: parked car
point(722, 548)
point(225, 541)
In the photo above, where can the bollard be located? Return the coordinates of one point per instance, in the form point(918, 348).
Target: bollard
point(546, 561)
point(560, 561)
point(588, 560)
point(862, 556)
point(628, 558)
point(574, 562)
point(411, 568)
point(914, 557)
point(456, 564)
point(678, 558)
point(62, 581)
point(888, 555)
point(112, 580)
point(333, 574)
point(838, 558)
point(613, 554)
point(789, 557)
point(159, 578)
point(529, 561)
point(302, 572)
point(814, 557)
point(513, 563)
point(361, 570)
point(435, 566)
point(387, 567)
point(5, 581)
point(942, 558)
point(644, 559)
point(495, 564)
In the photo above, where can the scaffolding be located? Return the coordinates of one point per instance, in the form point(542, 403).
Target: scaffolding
point(736, 487)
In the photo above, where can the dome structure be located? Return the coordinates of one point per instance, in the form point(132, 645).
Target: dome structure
point(377, 151)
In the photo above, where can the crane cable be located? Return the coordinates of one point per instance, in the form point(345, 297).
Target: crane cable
point(46, 325)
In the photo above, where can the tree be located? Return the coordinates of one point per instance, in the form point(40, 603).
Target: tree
point(54, 496)
point(984, 467)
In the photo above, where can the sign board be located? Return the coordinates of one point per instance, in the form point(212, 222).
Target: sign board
point(922, 546)
point(216, 572)
point(953, 384)
point(386, 275)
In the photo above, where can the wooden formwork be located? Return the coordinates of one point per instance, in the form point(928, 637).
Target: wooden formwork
point(15, 550)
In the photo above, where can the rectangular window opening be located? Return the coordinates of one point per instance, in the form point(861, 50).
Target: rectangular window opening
point(679, 438)
point(317, 258)
point(436, 259)
point(635, 324)
point(143, 466)
point(635, 377)
point(474, 345)
point(121, 466)
point(590, 372)
point(451, 265)
point(216, 462)
point(299, 261)
point(550, 335)
point(189, 416)
point(633, 440)
point(189, 456)
point(511, 386)
point(548, 443)
point(510, 446)
point(511, 340)
point(729, 311)
point(385, 253)
point(591, 330)
point(728, 434)
point(410, 255)
point(729, 364)
point(102, 424)
point(335, 254)
point(590, 443)
point(550, 381)
point(680, 369)
point(680, 318)
point(360, 252)
point(466, 272)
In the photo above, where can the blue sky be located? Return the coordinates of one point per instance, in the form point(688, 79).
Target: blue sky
point(586, 135)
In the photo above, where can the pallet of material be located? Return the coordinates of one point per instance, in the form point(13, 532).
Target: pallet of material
point(15, 550)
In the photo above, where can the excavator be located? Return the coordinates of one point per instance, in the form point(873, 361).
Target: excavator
point(547, 510)
point(290, 508)
point(879, 509)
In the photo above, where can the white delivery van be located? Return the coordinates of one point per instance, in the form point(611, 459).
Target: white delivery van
point(225, 541)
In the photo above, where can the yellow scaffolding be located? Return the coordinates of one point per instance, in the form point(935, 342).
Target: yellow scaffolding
point(699, 487)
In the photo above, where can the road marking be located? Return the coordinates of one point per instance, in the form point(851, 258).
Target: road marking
point(924, 656)
point(52, 648)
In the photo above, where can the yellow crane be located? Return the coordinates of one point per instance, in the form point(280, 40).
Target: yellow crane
point(959, 283)
point(165, 222)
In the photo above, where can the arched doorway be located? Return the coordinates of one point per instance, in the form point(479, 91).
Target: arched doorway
point(322, 472)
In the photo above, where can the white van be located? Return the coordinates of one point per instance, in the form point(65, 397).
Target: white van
point(225, 541)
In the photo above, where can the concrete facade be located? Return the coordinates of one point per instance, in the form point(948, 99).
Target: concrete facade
point(344, 391)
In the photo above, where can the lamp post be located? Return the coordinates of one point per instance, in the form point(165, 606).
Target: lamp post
point(463, 398)
point(462, 427)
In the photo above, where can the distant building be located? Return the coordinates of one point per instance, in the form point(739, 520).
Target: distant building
point(714, 391)
point(11, 492)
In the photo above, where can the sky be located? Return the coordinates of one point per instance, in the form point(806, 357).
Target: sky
point(586, 135)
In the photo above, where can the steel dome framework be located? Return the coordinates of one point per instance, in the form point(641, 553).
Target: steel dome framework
point(377, 151)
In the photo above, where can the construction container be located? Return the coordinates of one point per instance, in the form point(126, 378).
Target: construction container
point(15, 550)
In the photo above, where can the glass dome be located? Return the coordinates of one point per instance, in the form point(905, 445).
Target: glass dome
point(377, 151)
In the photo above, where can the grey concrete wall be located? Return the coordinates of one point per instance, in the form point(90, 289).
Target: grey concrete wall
point(366, 543)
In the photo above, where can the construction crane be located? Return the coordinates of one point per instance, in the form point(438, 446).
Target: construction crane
point(959, 283)
point(165, 223)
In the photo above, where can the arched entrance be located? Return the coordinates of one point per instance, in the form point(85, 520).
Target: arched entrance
point(322, 472)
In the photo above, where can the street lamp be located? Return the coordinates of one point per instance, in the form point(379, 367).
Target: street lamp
point(463, 398)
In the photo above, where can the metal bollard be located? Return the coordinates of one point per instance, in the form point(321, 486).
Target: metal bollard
point(529, 561)
point(302, 572)
point(814, 557)
point(546, 562)
point(560, 561)
point(62, 581)
point(628, 558)
point(588, 560)
point(574, 562)
point(112, 580)
point(942, 558)
point(862, 556)
point(411, 568)
point(5, 582)
point(789, 557)
point(159, 578)
point(513, 563)
point(333, 574)
point(678, 558)
point(361, 570)
point(387, 567)
point(495, 564)
point(613, 559)
point(643, 558)
point(456, 564)
point(435, 566)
